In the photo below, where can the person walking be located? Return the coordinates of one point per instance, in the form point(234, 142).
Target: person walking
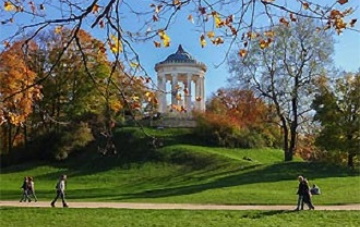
point(60, 191)
point(31, 188)
point(24, 187)
point(304, 195)
point(299, 193)
point(307, 195)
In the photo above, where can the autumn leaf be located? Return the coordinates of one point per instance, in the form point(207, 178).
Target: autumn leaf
point(202, 10)
point(218, 22)
point(352, 22)
point(342, 1)
point(134, 64)
point(265, 43)
point(58, 29)
point(8, 6)
point(190, 18)
point(210, 34)
point(292, 17)
point(305, 5)
point(202, 41)
point(176, 2)
point(242, 53)
point(217, 41)
point(198, 99)
point(252, 35)
point(115, 105)
point(269, 33)
point(115, 44)
point(157, 44)
point(186, 91)
point(95, 9)
point(284, 21)
point(101, 24)
point(135, 98)
point(164, 37)
point(233, 30)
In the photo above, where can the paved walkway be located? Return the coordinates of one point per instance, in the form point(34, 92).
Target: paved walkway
point(172, 206)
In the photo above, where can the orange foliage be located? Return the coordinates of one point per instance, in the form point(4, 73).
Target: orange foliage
point(17, 89)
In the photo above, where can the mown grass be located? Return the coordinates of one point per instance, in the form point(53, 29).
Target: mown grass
point(121, 217)
point(182, 172)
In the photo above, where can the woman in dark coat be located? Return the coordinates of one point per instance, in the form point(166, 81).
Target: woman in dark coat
point(304, 189)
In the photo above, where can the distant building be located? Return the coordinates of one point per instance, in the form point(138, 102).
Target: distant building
point(184, 74)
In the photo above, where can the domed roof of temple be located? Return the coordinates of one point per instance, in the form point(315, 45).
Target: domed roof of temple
point(181, 56)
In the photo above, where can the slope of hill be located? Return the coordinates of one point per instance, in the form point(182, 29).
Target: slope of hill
point(181, 170)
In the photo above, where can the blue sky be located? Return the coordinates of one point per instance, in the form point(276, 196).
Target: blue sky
point(346, 55)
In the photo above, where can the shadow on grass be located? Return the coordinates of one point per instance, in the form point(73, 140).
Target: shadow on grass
point(260, 174)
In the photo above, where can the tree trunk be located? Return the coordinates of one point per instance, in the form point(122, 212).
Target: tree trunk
point(350, 161)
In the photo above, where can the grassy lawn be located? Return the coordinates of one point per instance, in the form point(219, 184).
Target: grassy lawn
point(117, 217)
point(189, 175)
point(184, 172)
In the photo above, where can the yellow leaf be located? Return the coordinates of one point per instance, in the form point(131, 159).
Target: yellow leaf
point(134, 64)
point(115, 44)
point(211, 34)
point(269, 33)
point(8, 6)
point(202, 41)
point(218, 22)
point(58, 29)
point(165, 38)
point(135, 98)
point(242, 53)
point(342, 1)
point(263, 44)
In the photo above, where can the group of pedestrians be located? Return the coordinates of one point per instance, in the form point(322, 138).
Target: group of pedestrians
point(28, 188)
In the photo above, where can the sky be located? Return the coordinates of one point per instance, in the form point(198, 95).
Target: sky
point(182, 31)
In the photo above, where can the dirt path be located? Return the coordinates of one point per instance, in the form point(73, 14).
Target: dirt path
point(172, 206)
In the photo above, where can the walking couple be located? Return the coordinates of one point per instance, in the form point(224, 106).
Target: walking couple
point(28, 188)
point(304, 194)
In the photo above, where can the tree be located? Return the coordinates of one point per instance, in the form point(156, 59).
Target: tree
point(236, 118)
point(216, 21)
point(15, 76)
point(281, 66)
point(337, 109)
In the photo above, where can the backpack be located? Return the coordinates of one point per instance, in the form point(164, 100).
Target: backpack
point(315, 190)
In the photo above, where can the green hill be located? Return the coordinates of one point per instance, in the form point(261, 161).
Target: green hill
point(181, 170)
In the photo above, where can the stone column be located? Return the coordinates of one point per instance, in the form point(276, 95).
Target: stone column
point(174, 89)
point(188, 97)
point(197, 94)
point(202, 92)
point(161, 93)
